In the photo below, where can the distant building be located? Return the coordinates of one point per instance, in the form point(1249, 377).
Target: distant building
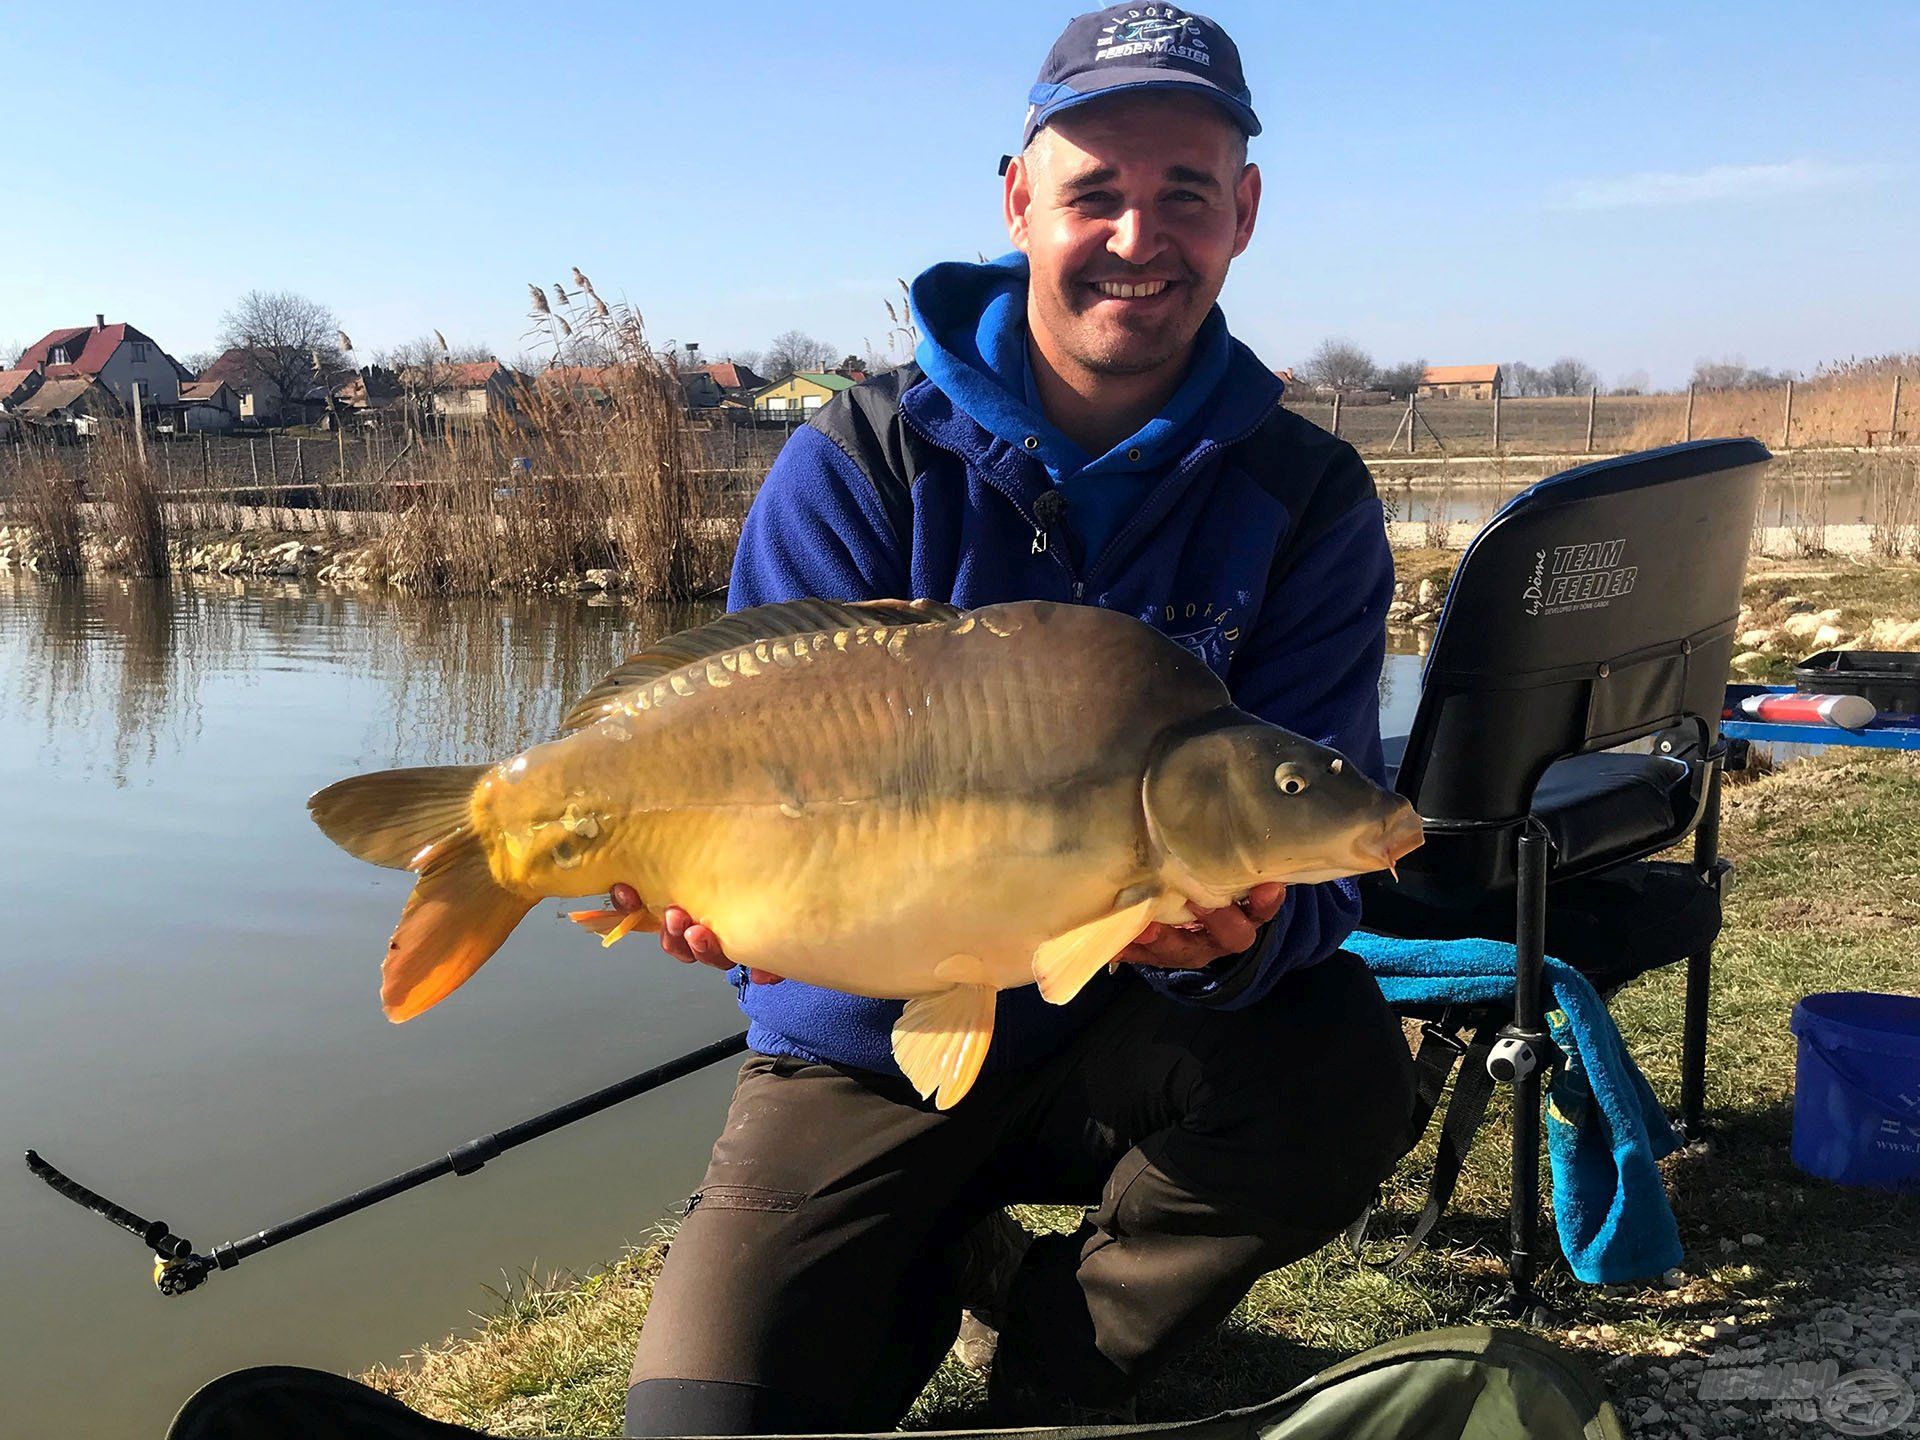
point(206, 405)
point(79, 402)
point(699, 390)
point(124, 360)
point(466, 393)
point(18, 384)
point(1460, 382)
point(257, 375)
point(736, 382)
point(800, 394)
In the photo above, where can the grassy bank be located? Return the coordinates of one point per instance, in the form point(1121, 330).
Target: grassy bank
point(1826, 851)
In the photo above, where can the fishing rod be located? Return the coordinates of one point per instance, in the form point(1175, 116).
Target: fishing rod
point(178, 1268)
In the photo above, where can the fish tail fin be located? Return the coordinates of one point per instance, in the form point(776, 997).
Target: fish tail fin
point(457, 916)
point(397, 818)
point(421, 819)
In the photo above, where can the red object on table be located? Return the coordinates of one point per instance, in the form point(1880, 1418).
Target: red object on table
point(1848, 712)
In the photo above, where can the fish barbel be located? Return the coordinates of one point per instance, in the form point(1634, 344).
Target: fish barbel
point(895, 799)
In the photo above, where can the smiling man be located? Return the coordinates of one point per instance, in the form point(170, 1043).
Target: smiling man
point(1080, 426)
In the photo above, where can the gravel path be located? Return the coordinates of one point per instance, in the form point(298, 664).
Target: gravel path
point(1843, 1367)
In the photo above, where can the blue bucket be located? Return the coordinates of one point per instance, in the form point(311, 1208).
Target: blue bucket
point(1856, 1093)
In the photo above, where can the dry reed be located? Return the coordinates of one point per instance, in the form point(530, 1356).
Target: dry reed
point(1840, 405)
point(47, 499)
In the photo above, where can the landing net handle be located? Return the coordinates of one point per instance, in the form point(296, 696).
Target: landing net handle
point(177, 1268)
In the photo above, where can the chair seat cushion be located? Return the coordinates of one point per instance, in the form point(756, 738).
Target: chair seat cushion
point(1611, 926)
point(1602, 805)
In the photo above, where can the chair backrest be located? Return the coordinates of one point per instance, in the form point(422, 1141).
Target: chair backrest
point(1595, 608)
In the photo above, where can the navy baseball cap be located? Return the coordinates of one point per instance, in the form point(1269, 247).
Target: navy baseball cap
point(1140, 47)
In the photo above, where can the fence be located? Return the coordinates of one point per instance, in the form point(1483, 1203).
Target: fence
point(1868, 412)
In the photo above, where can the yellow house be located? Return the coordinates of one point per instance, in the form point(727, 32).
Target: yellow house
point(799, 394)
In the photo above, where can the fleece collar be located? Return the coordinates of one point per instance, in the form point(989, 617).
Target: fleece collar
point(973, 347)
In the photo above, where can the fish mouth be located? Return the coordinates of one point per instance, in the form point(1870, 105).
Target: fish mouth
point(1398, 838)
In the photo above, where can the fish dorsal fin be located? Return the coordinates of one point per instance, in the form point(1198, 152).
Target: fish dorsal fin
point(743, 627)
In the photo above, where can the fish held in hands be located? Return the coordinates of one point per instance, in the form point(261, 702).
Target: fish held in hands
point(894, 799)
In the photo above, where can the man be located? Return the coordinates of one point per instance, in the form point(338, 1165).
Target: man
point(1079, 427)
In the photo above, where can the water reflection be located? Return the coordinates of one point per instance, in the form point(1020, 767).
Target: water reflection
point(114, 671)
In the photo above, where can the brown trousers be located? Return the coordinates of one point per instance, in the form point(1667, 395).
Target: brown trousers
point(811, 1286)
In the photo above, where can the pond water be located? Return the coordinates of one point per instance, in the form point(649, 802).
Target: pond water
point(188, 988)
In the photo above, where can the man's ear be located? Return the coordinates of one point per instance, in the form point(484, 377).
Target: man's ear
point(1246, 202)
point(1016, 198)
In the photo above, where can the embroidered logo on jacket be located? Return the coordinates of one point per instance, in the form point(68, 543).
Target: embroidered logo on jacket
point(1206, 631)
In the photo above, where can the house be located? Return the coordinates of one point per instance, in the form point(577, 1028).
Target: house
point(801, 393)
point(466, 393)
point(371, 391)
point(261, 375)
point(699, 390)
point(205, 405)
point(18, 384)
point(124, 360)
point(1460, 382)
point(737, 382)
point(79, 402)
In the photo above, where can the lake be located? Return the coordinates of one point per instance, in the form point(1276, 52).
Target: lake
point(189, 1016)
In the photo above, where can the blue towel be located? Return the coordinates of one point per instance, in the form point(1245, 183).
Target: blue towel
point(1605, 1129)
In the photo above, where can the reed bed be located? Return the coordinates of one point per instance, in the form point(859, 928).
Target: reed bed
point(47, 500)
point(1839, 405)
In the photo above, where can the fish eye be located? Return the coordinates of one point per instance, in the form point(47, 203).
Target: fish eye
point(1289, 779)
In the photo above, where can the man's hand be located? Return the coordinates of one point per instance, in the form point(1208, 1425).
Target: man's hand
point(1213, 933)
point(690, 942)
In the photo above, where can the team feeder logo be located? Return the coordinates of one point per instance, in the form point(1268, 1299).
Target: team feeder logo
point(1153, 30)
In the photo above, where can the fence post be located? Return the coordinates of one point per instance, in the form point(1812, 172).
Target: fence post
point(1893, 414)
point(1689, 434)
point(253, 459)
point(340, 439)
point(1496, 420)
point(1413, 414)
point(1786, 422)
point(206, 461)
point(1336, 414)
point(1593, 399)
point(139, 428)
point(273, 460)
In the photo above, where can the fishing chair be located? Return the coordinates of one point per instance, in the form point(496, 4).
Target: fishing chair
point(1595, 610)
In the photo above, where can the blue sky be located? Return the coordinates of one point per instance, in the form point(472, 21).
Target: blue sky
point(1638, 185)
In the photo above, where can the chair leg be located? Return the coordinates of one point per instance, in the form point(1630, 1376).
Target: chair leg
point(1693, 1036)
point(1520, 1059)
point(1693, 1048)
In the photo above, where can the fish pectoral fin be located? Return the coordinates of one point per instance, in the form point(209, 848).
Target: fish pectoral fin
point(939, 1041)
point(455, 919)
point(1064, 964)
point(611, 925)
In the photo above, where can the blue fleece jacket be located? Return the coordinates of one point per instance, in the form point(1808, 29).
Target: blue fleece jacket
point(1194, 544)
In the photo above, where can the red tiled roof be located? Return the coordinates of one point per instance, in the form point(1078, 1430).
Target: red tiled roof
point(12, 382)
point(470, 375)
point(729, 376)
point(88, 347)
point(200, 389)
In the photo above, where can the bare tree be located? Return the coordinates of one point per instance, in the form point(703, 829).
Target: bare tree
point(1735, 374)
point(1403, 379)
point(1568, 376)
point(1523, 380)
point(795, 350)
point(1634, 382)
point(290, 340)
point(1339, 365)
point(9, 352)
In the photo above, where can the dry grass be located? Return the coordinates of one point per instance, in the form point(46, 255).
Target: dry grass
point(47, 501)
point(1836, 407)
